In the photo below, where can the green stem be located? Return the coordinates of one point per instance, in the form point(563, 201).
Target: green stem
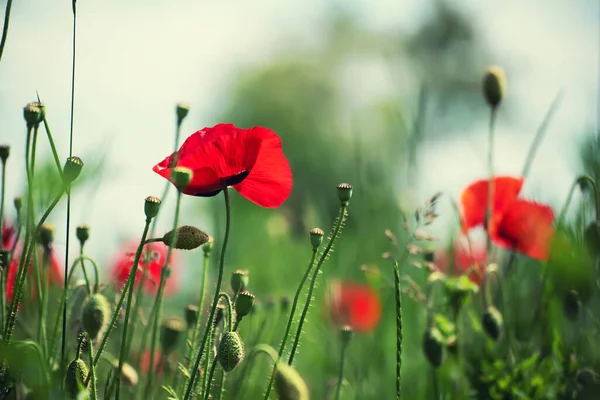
point(211, 316)
point(92, 370)
point(336, 230)
point(210, 377)
point(158, 302)
point(132, 273)
point(291, 319)
point(52, 145)
point(5, 28)
point(436, 384)
point(3, 268)
point(398, 296)
point(207, 358)
point(490, 194)
point(38, 287)
point(341, 371)
point(88, 285)
point(230, 328)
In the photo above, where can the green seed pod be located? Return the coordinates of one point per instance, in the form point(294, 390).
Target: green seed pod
point(72, 169)
point(4, 152)
point(188, 238)
point(171, 331)
point(191, 315)
point(75, 378)
point(494, 86)
point(492, 322)
point(182, 111)
point(289, 385)
point(433, 347)
point(181, 177)
point(231, 351)
point(83, 233)
point(18, 202)
point(95, 315)
point(344, 192)
point(571, 305)
point(316, 237)
point(244, 303)
point(33, 114)
point(46, 235)
point(151, 206)
point(239, 280)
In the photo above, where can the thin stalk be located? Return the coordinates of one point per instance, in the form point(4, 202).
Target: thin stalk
point(94, 390)
point(490, 162)
point(52, 145)
point(41, 334)
point(3, 268)
point(341, 371)
point(291, 318)
point(5, 28)
point(200, 306)
point(207, 358)
point(436, 384)
point(132, 273)
point(398, 297)
point(214, 364)
point(336, 230)
point(210, 377)
point(159, 297)
point(213, 308)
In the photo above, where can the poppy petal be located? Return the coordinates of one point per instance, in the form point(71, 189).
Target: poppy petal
point(527, 228)
point(474, 200)
point(357, 306)
point(269, 182)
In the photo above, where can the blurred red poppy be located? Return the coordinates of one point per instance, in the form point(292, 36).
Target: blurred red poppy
point(520, 225)
point(154, 256)
point(251, 160)
point(468, 258)
point(8, 235)
point(159, 362)
point(354, 305)
point(52, 267)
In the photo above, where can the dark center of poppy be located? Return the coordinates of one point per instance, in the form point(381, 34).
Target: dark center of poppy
point(236, 179)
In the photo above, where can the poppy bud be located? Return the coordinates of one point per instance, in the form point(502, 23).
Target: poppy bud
point(239, 280)
point(231, 351)
point(33, 114)
point(188, 238)
point(181, 177)
point(433, 347)
point(46, 235)
point(151, 206)
point(494, 84)
point(182, 112)
point(83, 233)
point(344, 192)
point(75, 378)
point(191, 315)
point(243, 303)
point(289, 385)
point(207, 247)
point(316, 238)
point(72, 169)
point(95, 315)
point(285, 304)
point(571, 305)
point(346, 334)
point(4, 152)
point(18, 202)
point(492, 322)
point(171, 331)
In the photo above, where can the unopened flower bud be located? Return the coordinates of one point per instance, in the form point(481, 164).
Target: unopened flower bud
point(75, 378)
point(95, 315)
point(72, 169)
point(433, 347)
point(344, 192)
point(182, 112)
point(494, 86)
point(316, 238)
point(244, 303)
point(571, 305)
point(83, 233)
point(492, 322)
point(289, 385)
point(191, 315)
point(4, 153)
point(346, 334)
point(33, 114)
point(231, 351)
point(207, 247)
point(239, 280)
point(151, 206)
point(18, 202)
point(181, 177)
point(46, 235)
point(171, 332)
point(188, 238)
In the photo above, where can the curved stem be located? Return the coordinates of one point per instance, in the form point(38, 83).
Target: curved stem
point(336, 230)
point(341, 372)
point(230, 328)
point(132, 273)
point(5, 28)
point(52, 145)
point(398, 298)
point(291, 319)
point(88, 285)
point(211, 316)
point(579, 183)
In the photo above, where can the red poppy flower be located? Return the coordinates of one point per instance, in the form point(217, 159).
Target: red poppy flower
point(53, 273)
point(251, 160)
point(8, 235)
point(145, 361)
point(354, 305)
point(471, 259)
point(155, 256)
point(517, 224)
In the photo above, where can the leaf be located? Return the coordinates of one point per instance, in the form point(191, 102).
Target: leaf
point(171, 392)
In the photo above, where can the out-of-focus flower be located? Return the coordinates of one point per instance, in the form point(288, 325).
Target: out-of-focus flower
point(517, 224)
point(251, 160)
point(468, 258)
point(8, 235)
point(49, 262)
point(354, 305)
point(154, 256)
point(145, 361)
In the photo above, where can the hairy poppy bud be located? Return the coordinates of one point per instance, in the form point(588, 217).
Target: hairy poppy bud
point(433, 347)
point(289, 385)
point(244, 303)
point(4, 152)
point(33, 114)
point(75, 378)
point(344, 192)
point(494, 84)
point(182, 112)
point(83, 233)
point(492, 322)
point(231, 351)
point(95, 315)
point(181, 177)
point(571, 305)
point(46, 235)
point(239, 280)
point(72, 169)
point(151, 206)
point(316, 238)
point(18, 202)
point(191, 315)
point(207, 247)
point(171, 331)
point(188, 238)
